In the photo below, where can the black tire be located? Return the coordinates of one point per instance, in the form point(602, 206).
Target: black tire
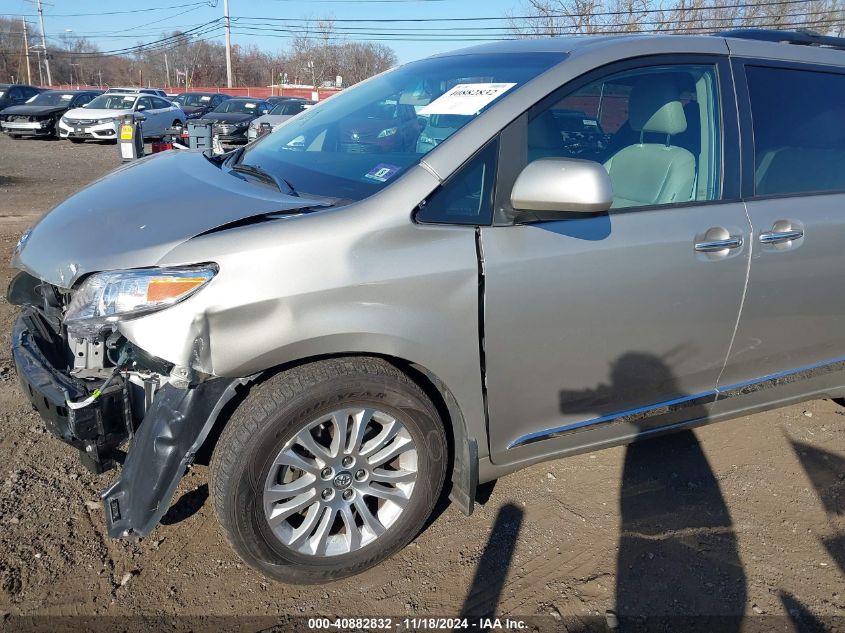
point(15, 136)
point(272, 413)
point(77, 140)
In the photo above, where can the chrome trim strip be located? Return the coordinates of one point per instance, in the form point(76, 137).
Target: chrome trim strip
point(669, 406)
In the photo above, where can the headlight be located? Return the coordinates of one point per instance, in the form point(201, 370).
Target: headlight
point(387, 132)
point(114, 296)
point(194, 115)
point(241, 123)
point(109, 120)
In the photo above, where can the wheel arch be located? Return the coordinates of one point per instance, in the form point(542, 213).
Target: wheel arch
point(463, 448)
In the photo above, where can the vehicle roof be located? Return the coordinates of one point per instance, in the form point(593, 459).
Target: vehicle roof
point(126, 94)
point(74, 91)
point(660, 43)
point(247, 99)
point(201, 92)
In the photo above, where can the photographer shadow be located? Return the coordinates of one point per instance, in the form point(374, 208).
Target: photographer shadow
point(678, 564)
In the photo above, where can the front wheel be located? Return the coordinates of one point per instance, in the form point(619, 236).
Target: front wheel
point(327, 469)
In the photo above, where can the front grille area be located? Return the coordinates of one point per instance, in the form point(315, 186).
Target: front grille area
point(80, 121)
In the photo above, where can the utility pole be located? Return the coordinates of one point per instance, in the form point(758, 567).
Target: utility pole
point(44, 44)
point(228, 43)
point(26, 51)
point(166, 71)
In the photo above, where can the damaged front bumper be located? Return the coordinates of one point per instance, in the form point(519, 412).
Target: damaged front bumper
point(161, 445)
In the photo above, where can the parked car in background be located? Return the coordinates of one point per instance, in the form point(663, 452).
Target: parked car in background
point(147, 91)
point(232, 118)
point(39, 115)
point(16, 94)
point(384, 126)
point(282, 111)
point(100, 119)
point(198, 104)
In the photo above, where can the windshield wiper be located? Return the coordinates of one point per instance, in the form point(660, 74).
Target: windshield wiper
point(265, 176)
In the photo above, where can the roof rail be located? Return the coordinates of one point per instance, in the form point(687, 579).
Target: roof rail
point(803, 37)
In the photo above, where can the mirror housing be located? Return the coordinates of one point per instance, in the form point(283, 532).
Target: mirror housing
point(554, 188)
point(141, 108)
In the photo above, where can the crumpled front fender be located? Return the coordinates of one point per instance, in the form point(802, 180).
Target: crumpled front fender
point(173, 430)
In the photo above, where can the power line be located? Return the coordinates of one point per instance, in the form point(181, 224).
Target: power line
point(352, 30)
point(209, 3)
point(611, 30)
point(542, 17)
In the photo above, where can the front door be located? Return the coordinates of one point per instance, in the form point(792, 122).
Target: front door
point(608, 326)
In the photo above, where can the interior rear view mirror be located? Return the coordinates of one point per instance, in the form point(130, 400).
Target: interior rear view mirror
point(549, 188)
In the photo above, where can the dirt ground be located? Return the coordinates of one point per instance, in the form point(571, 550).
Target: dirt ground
point(744, 518)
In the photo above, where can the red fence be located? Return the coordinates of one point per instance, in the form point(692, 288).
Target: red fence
point(259, 92)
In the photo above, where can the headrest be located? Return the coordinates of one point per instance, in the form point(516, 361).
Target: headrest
point(655, 106)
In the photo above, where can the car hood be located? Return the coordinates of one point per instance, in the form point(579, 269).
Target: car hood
point(228, 117)
point(98, 113)
point(34, 110)
point(123, 221)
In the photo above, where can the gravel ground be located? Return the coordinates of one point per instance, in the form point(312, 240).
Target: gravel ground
point(744, 518)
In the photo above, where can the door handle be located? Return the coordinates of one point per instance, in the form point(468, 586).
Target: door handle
point(776, 237)
point(734, 241)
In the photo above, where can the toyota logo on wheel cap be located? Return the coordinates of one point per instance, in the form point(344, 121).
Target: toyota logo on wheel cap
point(343, 480)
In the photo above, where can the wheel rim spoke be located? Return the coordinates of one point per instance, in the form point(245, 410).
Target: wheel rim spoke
point(389, 430)
point(393, 476)
point(370, 520)
point(340, 482)
point(391, 451)
point(282, 511)
point(396, 495)
point(353, 534)
point(307, 441)
point(288, 458)
point(320, 540)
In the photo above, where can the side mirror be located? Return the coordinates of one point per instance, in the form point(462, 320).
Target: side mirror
point(141, 108)
point(551, 188)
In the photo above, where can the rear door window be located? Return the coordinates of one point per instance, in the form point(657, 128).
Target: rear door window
point(799, 130)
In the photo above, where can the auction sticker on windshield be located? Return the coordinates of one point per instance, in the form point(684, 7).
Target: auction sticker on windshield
point(382, 172)
point(466, 99)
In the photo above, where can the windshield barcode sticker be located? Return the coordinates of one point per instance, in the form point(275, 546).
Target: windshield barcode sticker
point(466, 99)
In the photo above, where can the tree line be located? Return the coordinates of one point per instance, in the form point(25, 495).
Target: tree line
point(543, 18)
point(314, 58)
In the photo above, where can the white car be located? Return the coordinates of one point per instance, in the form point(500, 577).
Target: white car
point(100, 119)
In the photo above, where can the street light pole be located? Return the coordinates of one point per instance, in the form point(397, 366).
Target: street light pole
point(44, 44)
point(228, 43)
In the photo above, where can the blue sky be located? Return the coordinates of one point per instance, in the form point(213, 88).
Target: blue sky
point(112, 32)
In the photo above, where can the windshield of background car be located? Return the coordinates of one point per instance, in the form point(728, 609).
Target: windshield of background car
point(193, 100)
point(289, 107)
point(51, 99)
point(112, 102)
point(239, 107)
point(358, 141)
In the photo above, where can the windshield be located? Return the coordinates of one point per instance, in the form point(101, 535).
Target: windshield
point(112, 102)
point(51, 99)
point(193, 100)
point(239, 107)
point(288, 107)
point(359, 140)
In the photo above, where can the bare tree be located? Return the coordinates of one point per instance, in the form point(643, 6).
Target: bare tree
point(572, 17)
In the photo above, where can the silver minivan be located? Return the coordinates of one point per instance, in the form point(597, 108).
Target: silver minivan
point(456, 269)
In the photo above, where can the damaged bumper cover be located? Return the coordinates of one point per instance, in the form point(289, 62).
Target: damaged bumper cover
point(173, 428)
